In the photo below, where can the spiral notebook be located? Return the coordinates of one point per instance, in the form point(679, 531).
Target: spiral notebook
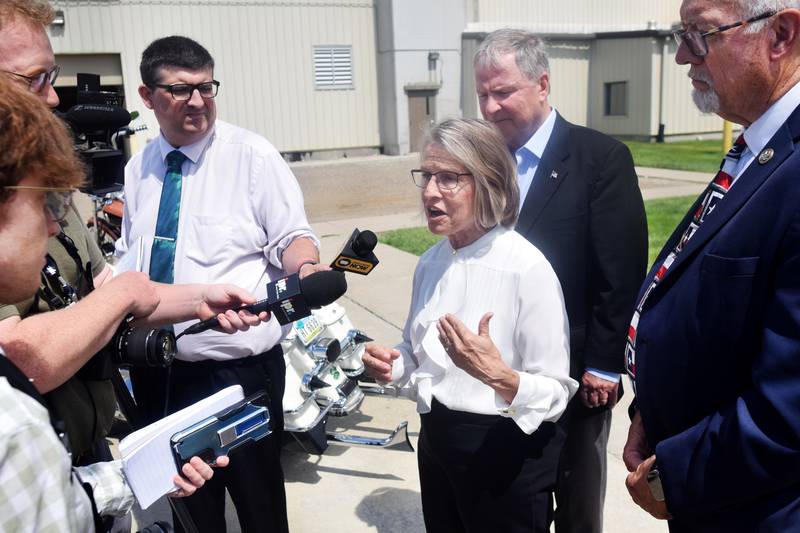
point(147, 459)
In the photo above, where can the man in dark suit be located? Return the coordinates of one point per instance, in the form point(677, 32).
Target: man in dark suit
point(583, 209)
point(715, 342)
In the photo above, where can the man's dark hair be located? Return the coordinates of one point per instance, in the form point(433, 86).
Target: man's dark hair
point(173, 51)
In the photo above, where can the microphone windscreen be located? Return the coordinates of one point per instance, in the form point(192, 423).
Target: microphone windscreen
point(323, 288)
point(364, 243)
point(85, 118)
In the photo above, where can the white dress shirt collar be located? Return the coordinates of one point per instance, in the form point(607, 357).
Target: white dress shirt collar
point(538, 141)
point(191, 151)
point(484, 242)
point(764, 128)
point(530, 154)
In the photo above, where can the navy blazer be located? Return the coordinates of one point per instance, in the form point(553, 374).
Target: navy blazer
point(584, 212)
point(718, 356)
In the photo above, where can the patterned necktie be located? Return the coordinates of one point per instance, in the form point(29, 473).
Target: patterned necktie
point(162, 255)
point(713, 195)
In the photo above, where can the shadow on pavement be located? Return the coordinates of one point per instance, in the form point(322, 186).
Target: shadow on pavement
point(391, 510)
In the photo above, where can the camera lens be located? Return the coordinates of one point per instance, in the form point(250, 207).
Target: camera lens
point(145, 347)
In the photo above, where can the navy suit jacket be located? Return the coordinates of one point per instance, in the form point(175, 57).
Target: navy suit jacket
point(718, 356)
point(584, 212)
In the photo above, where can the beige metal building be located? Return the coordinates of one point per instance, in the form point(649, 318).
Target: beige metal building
point(300, 72)
point(612, 63)
point(349, 77)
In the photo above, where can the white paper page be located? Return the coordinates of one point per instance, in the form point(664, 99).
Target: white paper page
point(146, 454)
point(133, 260)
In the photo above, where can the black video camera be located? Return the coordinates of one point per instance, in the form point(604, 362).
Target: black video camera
point(96, 121)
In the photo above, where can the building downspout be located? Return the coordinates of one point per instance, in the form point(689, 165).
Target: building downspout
point(664, 51)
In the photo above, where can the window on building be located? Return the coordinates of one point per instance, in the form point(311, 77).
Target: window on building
point(616, 98)
point(333, 67)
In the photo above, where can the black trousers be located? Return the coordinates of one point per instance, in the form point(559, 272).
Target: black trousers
point(254, 477)
point(581, 487)
point(481, 473)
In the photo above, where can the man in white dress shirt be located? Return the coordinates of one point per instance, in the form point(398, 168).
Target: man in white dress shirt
point(236, 214)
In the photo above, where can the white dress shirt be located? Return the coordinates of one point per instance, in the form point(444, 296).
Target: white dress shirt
point(503, 273)
point(240, 208)
point(530, 154)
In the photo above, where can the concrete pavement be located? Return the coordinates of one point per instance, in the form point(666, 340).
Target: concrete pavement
point(350, 489)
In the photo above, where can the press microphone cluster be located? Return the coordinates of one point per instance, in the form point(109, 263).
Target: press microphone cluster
point(290, 298)
point(356, 255)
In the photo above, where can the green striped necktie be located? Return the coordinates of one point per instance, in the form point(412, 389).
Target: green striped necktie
point(162, 255)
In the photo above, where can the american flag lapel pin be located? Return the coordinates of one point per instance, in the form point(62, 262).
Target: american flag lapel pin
point(553, 175)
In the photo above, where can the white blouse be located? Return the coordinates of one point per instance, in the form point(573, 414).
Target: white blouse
point(503, 273)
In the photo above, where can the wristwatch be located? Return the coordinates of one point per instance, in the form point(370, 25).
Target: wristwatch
point(654, 481)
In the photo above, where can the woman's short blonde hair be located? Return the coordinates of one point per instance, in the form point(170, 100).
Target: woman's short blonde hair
point(478, 146)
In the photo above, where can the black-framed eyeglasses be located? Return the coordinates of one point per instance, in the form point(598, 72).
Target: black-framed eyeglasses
point(696, 40)
point(56, 199)
point(445, 179)
point(38, 82)
point(184, 91)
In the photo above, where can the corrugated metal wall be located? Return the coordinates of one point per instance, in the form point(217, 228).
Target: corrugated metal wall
point(569, 79)
point(681, 116)
point(263, 51)
point(582, 16)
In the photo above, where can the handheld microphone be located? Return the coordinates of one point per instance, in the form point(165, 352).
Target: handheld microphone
point(356, 255)
point(290, 298)
point(87, 118)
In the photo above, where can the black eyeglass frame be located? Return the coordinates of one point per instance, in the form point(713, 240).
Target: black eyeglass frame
point(696, 40)
point(193, 86)
point(424, 183)
point(39, 81)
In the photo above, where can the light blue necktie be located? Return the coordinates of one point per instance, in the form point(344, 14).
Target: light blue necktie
point(162, 255)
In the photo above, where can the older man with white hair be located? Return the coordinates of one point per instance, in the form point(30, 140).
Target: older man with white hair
point(713, 345)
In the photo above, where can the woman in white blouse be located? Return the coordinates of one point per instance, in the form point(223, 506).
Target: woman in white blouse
point(485, 347)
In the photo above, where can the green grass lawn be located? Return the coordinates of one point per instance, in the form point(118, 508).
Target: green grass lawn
point(662, 217)
point(700, 156)
point(411, 240)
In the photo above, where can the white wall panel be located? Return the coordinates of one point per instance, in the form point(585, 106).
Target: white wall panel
point(569, 79)
point(681, 116)
point(580, 16)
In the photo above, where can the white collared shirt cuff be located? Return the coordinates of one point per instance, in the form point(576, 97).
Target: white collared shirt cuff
point(538, 399)
point(602, 374)
point(111, 492)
